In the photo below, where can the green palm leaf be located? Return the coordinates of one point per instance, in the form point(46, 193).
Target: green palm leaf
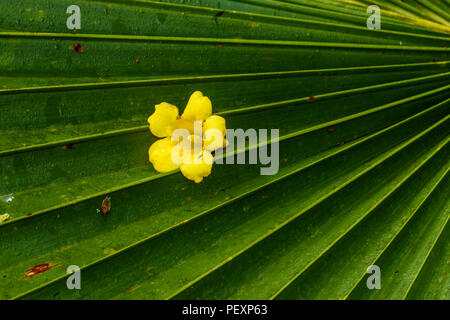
point(364, 157)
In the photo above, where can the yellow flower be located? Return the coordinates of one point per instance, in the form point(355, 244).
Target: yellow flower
point(189, 151)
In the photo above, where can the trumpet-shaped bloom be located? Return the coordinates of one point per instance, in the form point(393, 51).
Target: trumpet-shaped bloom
point(188, 140)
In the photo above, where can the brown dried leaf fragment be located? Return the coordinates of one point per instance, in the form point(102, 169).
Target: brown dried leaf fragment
point(78, 48)
point(106, 206)
point(39, 269)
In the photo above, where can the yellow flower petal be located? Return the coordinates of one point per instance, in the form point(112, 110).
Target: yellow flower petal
point(215, 122)
point(160, 155)
point(197, 171)
point(198, 107)
point(161, 120)
point(214, 130)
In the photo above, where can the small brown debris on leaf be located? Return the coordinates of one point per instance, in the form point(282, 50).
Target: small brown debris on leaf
point(138, 61)
point(106, 207)
point(39, 269)
point(78, 48)
point(311, 98)
point(68, 147)
point(331, 129)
